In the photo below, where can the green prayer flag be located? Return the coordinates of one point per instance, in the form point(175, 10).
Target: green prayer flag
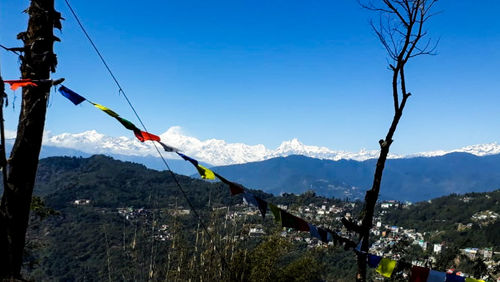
point(276, 212)
point(127, 124)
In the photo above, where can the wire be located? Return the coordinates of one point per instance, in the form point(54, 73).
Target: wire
point(10, 50)
point(120, 89)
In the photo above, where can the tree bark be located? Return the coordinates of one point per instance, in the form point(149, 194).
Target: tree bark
point(37, 63)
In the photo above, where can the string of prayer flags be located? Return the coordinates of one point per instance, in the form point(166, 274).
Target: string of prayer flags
point(235, 188)
point(14, 84)
point(142, 136)
point(204, 172)
point(251, 199)
point(386, 266)
point(71, 95)
point(419, 274)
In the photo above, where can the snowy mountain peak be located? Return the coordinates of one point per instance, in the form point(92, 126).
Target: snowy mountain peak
point(219, 152)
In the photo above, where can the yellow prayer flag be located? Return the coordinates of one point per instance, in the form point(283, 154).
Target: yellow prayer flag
point(106, 110)
point(205, 173)
point(386, 266)
point(473, 280)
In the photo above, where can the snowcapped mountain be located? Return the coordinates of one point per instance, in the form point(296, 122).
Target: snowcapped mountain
point(218, 152)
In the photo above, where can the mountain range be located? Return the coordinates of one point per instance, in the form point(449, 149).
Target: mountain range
point(408, 179)
point(218, 152)
point(295, 168)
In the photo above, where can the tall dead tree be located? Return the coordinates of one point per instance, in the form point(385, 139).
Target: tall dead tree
point(37, 62)
point(401, 31)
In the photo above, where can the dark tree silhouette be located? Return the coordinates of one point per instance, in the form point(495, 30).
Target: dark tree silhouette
point(38, 61)
point(401, 31)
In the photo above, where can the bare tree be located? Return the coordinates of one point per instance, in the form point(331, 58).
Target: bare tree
point(401, 31)
point(38, 61)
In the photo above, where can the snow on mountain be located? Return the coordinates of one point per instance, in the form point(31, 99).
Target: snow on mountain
point(295, 147)
point(96, 143)
point(218, 152)
point(478, 150)
point(214, 151)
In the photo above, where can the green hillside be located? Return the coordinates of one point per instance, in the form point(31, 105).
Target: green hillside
point(130, 223)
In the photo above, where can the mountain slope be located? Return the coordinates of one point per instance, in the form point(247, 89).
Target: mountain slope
point(413, 179)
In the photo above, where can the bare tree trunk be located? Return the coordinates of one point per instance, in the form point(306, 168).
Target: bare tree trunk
point(37, 63)
point(400, 31)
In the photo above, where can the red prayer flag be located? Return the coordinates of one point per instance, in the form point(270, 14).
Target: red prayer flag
point(419, 274)
point(14, 84)
point(143, 136)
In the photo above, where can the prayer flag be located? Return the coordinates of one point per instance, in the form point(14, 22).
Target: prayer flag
point(251, 199)
point(143, 136)
point(289, 220)
point(276, 212)
point(313, 230)
point(323, 235)
point(106, 110)
point(14, 84)
point(358, 247)
point(453, 277)
point(235, 188)
point(71, 95)
point(186, 158)
point(127, 124)
point(436, 276)
point(419, 274)
point(330, 236)
point(386, 266)
point(168, 148)
point(262, 206)
point(373, 260)
point(468, 279)
point(204, 172)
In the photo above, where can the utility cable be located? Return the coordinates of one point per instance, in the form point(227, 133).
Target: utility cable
point(120, 89)
point(10, 50)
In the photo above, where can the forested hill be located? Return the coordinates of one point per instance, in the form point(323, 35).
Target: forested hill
point(111, 183)
point(137, 225)
point(412, 179)
point(469, 220)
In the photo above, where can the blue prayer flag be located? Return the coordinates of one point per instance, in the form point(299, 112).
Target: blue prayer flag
point(436, 276)
point(452, 277)
point(373, 260)
point(313, 230)
point(71, 95)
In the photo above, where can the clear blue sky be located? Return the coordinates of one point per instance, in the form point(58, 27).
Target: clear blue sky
point(268, 71)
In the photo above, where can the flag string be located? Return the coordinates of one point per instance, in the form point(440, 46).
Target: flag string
point(120, 90)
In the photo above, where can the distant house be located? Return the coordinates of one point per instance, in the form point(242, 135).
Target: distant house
point(437, 248)
point(81, 202)
point(256, 232)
